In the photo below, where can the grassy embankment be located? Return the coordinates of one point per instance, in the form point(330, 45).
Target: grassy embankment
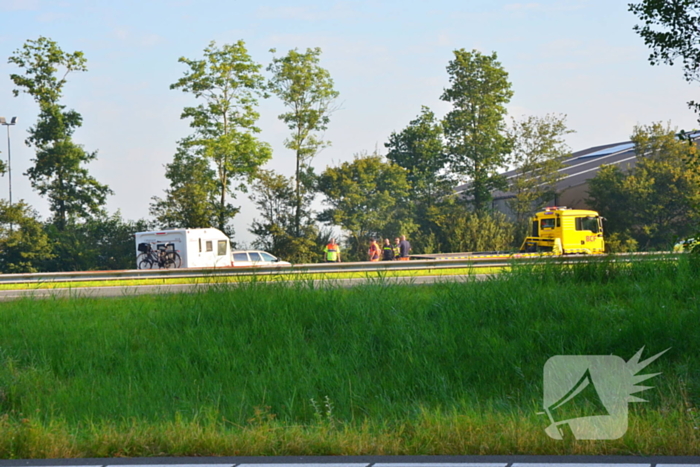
point(454, 368)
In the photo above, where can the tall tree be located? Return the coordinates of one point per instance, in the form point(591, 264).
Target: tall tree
point(608, 195)
point(362, 196)
point(307, 90)
point(228, 82)
point(657, 200)
point(58, 170)
point(476, 145)
point(538, 152)
point(419, 149)
point(671, 28)
point(191, 200)
point(274, 196)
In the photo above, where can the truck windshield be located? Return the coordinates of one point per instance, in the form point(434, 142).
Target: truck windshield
point(547, 223)
point(587, 223)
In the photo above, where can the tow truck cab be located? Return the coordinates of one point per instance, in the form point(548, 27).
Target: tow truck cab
point(565, 231)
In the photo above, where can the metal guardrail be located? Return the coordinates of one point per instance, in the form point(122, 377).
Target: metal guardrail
point(370, 268)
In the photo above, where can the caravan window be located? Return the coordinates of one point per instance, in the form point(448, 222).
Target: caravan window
point(200, 245)
point(221, 247)
point(210, 245)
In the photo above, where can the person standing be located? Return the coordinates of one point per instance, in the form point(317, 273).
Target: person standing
point(404, 249)
point(388, 251)
point(373, 253)
point(332, 252)
point(397, 240)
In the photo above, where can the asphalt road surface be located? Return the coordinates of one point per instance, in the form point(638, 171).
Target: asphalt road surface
point(123, 290)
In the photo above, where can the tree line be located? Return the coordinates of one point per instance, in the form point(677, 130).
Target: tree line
point(410, 190)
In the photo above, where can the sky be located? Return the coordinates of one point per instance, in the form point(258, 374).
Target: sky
point(579, 58)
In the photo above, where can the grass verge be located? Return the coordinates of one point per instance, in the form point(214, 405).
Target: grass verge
point(430, 433)
point(453, 368)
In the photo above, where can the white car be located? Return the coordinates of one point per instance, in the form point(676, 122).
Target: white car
point(255, 258)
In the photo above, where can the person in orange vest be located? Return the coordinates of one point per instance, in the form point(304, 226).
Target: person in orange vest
point(373, 253)
point(332, 252)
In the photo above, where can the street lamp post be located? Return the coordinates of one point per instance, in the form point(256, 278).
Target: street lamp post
point(12, 121)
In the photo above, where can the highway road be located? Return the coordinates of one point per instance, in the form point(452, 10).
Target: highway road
point(125, 291)
point(473, 265)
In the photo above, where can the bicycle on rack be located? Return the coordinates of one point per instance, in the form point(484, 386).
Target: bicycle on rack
point(163, 257)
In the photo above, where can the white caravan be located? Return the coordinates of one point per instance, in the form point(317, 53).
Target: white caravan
point(198, 248)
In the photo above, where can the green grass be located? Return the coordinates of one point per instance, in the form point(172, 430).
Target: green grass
point(453, 368)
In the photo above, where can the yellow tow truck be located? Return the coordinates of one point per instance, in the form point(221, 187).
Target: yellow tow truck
point(553, 231)
point(562, 231)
